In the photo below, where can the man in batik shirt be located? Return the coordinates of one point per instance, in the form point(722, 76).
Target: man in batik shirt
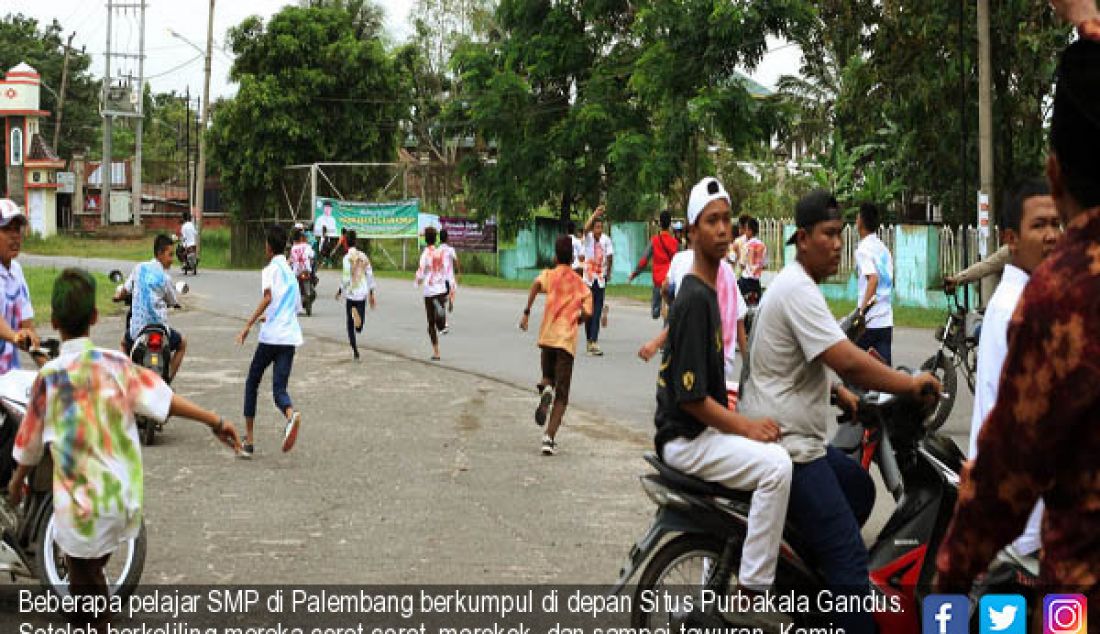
point(1042, 438)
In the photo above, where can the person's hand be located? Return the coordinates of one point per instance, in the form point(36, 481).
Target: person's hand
point(847, 401)
point(630, 278)
point(647, 351)
point(925, 388)
point(27, 339)
point(950, 283)
point(242, 335)
point(600, 211)
point(15, 492)
point(227, 433)
point(761, 430)
point(523, 322)
point(373, 303)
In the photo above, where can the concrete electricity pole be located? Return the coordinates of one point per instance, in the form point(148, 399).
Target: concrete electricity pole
point(135, 193)
point(985, 129)
point(201, 170)
point(105, 163)
point(61, 95)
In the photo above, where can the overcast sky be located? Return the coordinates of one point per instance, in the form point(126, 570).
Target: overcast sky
point(172, 64)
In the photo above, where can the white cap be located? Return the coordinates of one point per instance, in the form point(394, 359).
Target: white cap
point(10, 211)
point(707, 190)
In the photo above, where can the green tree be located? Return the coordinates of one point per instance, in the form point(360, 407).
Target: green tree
point(316, 84)
point(23, 39)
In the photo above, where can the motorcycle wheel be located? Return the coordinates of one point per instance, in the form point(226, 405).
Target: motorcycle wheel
point(123, 570)
point(684, 562)
point(148, 431)
point(943, 369)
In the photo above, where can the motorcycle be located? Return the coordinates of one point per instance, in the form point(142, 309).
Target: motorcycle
point(27, 546)
point(188, 258)
point(958, 351)
point(696, 536)
point(150, 350)
point(307, 285)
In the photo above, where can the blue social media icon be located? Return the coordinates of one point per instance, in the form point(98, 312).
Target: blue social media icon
point(1003, 614)
point(945, 614)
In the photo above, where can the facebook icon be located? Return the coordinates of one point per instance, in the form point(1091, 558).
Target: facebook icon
point(945, 614)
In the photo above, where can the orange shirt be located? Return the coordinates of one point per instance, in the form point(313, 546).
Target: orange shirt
point(566, 295)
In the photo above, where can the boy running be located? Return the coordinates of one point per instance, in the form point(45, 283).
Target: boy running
point(568, 304)
point(279, 337)
point(83, 406)
point(432, 275)
point(358, 286)
point(451, 270)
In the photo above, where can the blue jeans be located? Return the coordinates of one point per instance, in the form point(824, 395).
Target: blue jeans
point(880, 339)
point(831, 498)
point(265, 355)
point(592, 326)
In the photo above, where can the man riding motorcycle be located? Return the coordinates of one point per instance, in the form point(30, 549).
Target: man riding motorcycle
point(301, 262)
point(16, 313)
point(189, 235)
point(153, 293)
point(794, 343)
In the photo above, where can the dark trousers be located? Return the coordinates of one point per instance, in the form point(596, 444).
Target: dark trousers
point(655, 303)
point(879, 339)
point(557, 372)
point(361, 306)
point(592, 326)
point(436, 310)
point(283, 359)
point(831, 498)
point(86, 578)
point(749, 286)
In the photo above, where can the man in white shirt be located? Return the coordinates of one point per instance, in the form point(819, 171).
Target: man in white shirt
point(189, 235)
point(280, 336)
point(578, 249)
point(16, 311)
point(1031, 229)
point(452, 269)
point(598, 253)
point(875, 269)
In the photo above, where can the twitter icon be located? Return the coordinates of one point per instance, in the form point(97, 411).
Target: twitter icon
point(1003, 614)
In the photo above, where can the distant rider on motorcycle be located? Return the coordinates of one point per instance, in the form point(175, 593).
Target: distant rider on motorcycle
point(153, 293)
point(189, 235)
point(793, 344)
point(301, 259)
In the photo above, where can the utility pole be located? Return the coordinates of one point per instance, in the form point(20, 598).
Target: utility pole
point(201, 170)
point(135, 193)
point(985, 129)
point(61, 95)
point(105, 162)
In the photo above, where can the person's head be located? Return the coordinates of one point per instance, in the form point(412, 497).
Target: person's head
point(351, 238)
point(710, 220)
point(571, 228)
point(1074, 164)
point(752, 228)
point(817, 238)
point(430, 236)
point(443, 236)
point(12, 223)
point(299, 235)
point(185, 217)
point(276, 241)
point(665, 220)
point(162, 250)
point(743, 224)
point(73, 303)
point(327, 208)
point(563, 250)
point(867, 221)
point(1031, 224)
point(597, 228)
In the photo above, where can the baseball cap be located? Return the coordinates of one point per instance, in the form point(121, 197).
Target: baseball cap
point(816, 206)
point(10, 212)
point(705, 191)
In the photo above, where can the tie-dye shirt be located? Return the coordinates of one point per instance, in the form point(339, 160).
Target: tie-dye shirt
point(301, 258)
point(153, 292)
point(83, 405)
point(873, 258)
point(754, 258)
point(358, 278)
point(566, 296)
point(281, 327)
point(15, 308)
point(432, 272)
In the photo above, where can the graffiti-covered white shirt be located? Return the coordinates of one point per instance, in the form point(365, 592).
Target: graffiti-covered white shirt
point(153, 293)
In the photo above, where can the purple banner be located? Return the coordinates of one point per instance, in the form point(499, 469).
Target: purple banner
point(469, 235)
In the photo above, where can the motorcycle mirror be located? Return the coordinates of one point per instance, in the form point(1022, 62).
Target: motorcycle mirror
point(182, 288)
point(115, 276)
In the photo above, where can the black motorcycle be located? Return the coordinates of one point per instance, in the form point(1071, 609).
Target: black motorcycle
point(27, 546)
point(188, 258)
point(958, 352)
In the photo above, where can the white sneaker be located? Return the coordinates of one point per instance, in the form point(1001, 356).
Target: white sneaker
point(549, 446)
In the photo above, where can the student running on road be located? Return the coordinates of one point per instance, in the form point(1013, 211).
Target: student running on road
point(568, 304)
point(451, 270)
point(432, 275)
point(598, 254)
point(358, 286)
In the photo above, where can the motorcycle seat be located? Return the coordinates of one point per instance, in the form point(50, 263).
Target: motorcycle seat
point(691, 484)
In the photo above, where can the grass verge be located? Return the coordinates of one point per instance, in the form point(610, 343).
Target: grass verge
point(478, 280)
point(215, 247)
point(40, 284)
point(904, 316)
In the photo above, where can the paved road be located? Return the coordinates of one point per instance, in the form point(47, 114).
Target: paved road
point(486, 341)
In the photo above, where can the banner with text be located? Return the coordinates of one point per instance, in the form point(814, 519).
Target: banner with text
point(372, 220)
point(469, 235)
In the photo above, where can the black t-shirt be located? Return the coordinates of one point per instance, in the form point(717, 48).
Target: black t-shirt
point(693, 364)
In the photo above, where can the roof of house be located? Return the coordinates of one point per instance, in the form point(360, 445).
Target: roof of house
point(40, 150)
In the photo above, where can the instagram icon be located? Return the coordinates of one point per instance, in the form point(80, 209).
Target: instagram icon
point(1065, 614)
